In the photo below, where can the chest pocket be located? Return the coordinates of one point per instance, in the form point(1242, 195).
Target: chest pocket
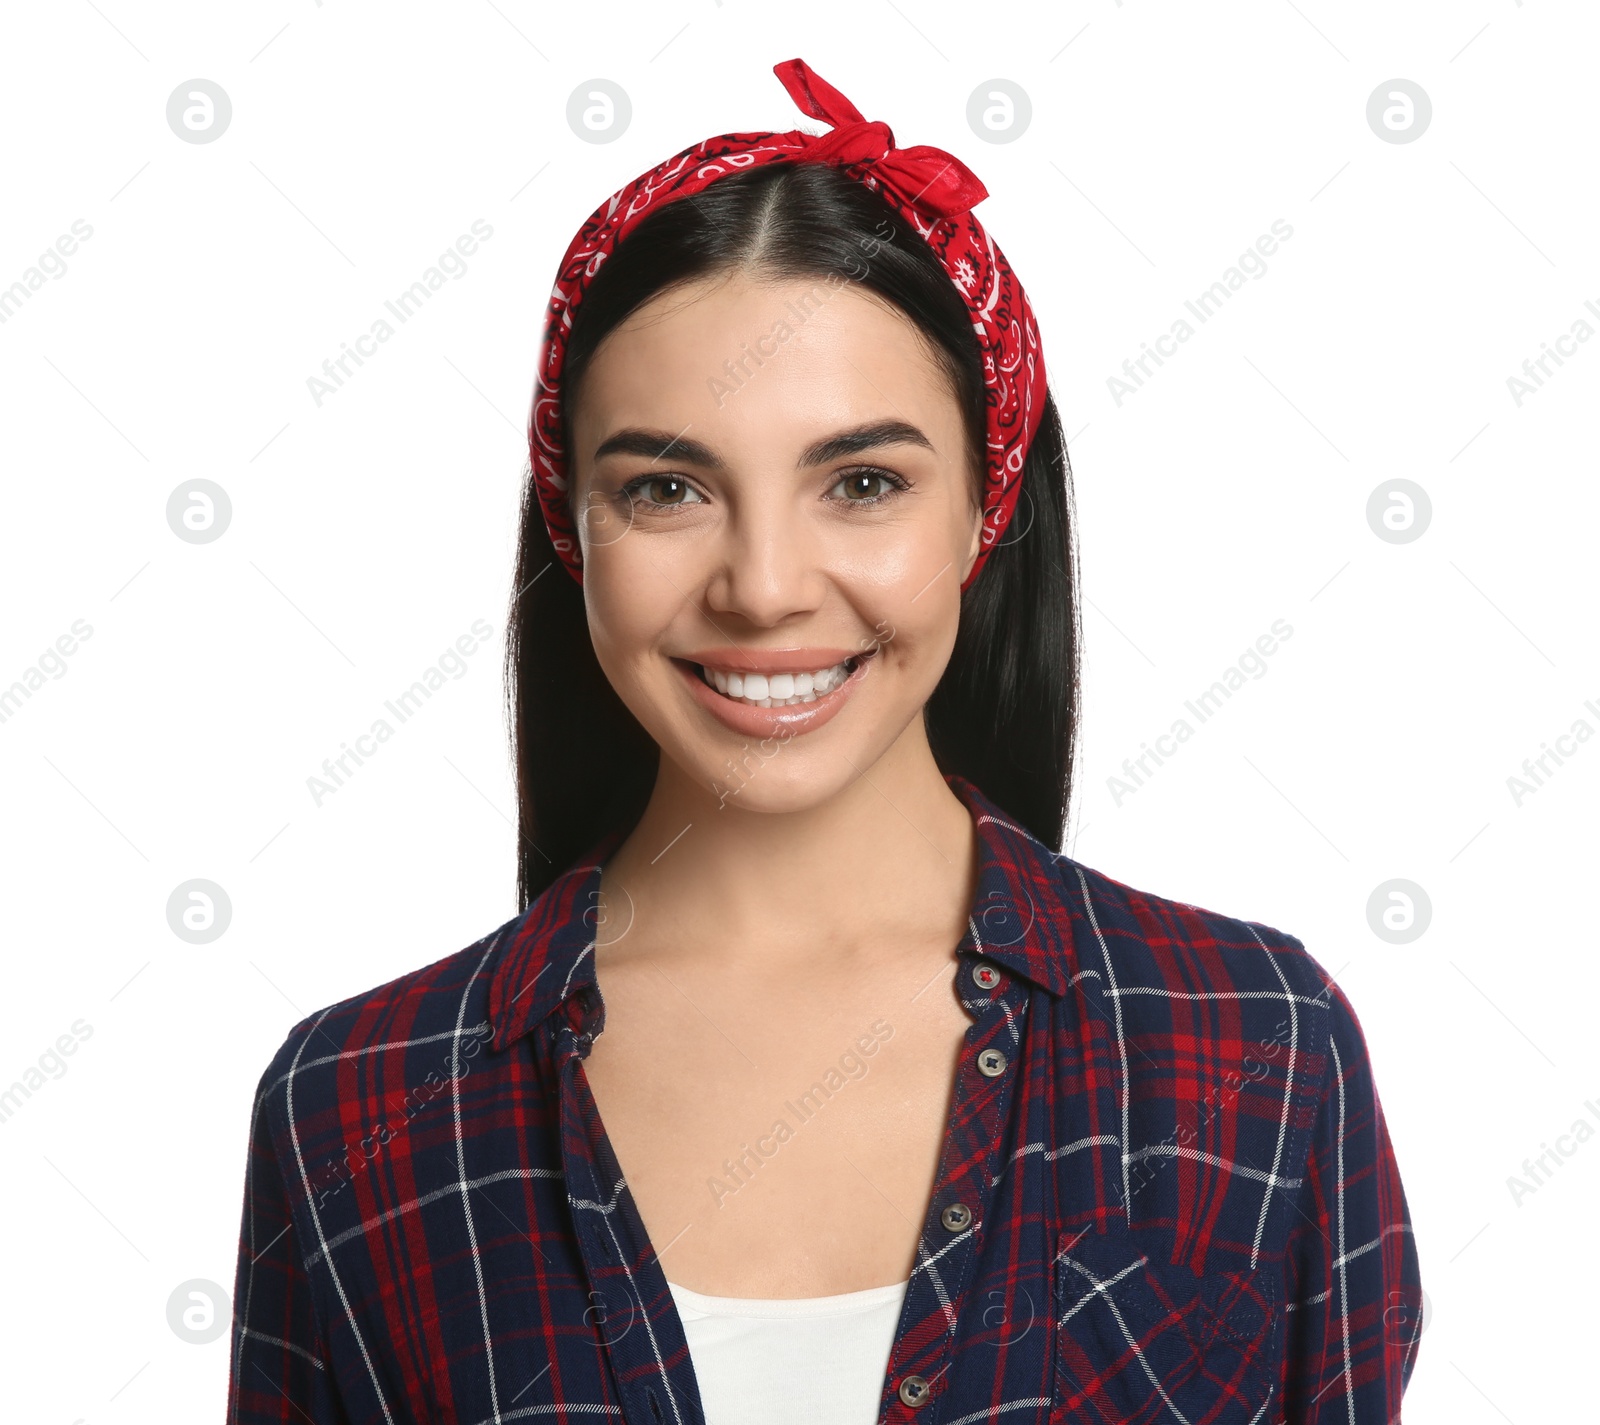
point(1141, 1339)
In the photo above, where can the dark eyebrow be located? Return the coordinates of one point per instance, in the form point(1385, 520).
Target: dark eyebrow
point(656, 445)
point(864, 437)
point(659, 444)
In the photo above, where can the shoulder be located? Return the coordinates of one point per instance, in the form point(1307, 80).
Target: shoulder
point(1165, 967)
point(384, 1039)
point(1146, 935)
point(1231, 1049)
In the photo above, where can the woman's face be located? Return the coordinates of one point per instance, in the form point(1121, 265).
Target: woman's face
point(772, 477)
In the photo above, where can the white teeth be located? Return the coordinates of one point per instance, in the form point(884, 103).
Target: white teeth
point(780, 689)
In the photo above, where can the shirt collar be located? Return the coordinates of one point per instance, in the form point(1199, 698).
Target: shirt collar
point(1021, 918)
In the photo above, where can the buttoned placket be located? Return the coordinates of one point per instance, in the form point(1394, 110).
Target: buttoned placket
point(964, 1186)
point(649, 1352)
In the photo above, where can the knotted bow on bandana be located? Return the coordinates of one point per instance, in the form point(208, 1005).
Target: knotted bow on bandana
point(931, 189)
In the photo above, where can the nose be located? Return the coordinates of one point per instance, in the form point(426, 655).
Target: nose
point(768, 564)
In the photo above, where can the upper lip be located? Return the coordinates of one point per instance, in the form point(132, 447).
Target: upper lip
point(773, 660)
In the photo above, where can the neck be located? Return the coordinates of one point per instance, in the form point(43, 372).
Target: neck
point(777, 871)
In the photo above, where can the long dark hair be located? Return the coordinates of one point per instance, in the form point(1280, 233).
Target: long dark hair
point(1005, 713)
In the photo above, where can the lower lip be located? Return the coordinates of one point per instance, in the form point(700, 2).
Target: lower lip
point(782, 722)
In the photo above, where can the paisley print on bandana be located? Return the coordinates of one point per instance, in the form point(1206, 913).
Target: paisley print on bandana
point(931, 189)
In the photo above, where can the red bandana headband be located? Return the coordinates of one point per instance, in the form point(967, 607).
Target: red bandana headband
point(933, 190)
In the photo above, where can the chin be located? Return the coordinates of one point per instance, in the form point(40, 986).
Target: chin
point(778, 783)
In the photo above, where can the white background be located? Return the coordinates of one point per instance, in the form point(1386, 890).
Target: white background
point(368, 533)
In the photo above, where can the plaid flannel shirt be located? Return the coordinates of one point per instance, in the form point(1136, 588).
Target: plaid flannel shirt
point(1175, 1197)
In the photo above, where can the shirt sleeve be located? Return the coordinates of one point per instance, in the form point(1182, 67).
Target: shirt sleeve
point(1353, 1288)
point(280, 1370)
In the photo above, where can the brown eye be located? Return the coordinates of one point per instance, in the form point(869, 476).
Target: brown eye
point(853, 483)
point(858, 486)
point(668, 491)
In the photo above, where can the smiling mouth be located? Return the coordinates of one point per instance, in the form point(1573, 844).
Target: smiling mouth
point(776, 690)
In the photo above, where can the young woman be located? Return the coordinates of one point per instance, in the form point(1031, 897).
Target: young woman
point(812, 1083)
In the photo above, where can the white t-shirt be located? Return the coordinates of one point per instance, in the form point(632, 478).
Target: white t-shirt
point(810, 1360)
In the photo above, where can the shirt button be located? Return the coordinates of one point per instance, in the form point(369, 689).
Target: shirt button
point(914, 1391)
point(986, 976)
point(991, 1062)
point(957, 1217)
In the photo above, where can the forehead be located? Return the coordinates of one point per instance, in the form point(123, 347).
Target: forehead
point(742, 357)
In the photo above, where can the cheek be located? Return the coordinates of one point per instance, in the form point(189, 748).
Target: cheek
point(910, 556)
point(914, 627)
point(626, 617)
point(911, 579)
